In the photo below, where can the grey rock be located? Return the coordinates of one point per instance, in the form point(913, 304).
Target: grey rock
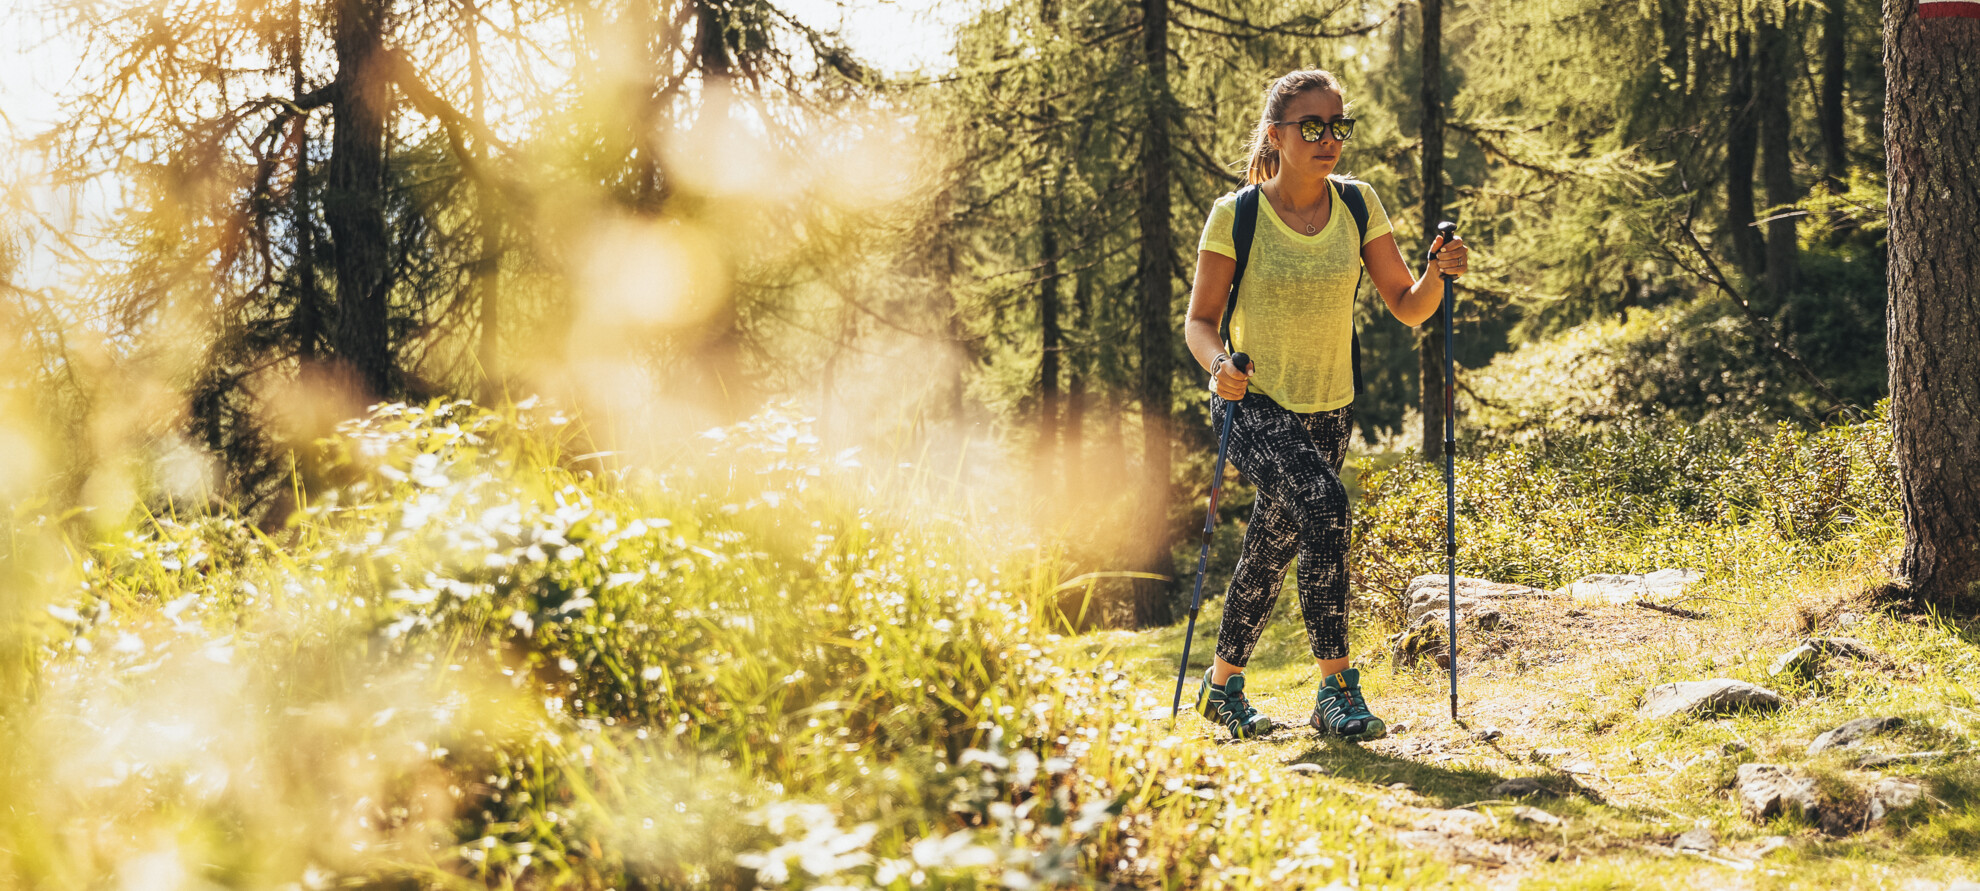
point(1430, 595)
point(1454, 822)
point(1768, 790)
point(1488, 734)
point(1874, 760)
point(1802, 661)
point(1620, 589)
point(1521, 787)
point(1703, 698)
point(1851, 733)
point(1845, 648)
point(1700, 839)
point(1892, 794)
point(1766, 844)
point(1535, 815)
point(1306, 767)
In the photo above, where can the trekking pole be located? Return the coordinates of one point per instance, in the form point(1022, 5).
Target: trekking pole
point(1449, 231)
point(1209, 526)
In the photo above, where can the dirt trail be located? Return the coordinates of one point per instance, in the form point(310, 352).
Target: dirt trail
point(1436, 783)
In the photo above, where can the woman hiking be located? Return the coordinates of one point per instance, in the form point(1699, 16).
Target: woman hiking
point(1295, 319)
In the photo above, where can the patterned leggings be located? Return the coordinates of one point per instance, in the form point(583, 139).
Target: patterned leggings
point(1302, 509)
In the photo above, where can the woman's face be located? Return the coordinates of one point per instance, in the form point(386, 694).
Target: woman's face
point(1300, 158)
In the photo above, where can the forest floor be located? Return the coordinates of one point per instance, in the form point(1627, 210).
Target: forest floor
point(1555, 698)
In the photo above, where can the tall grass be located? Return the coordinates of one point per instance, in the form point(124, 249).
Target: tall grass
point(482, 655)
point(1636, 497)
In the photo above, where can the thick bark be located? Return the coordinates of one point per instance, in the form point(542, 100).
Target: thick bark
point(1775, 63)
point(1742, 142)
point(354, 198)
point(1156, 272)
point(1430, 335)
point(1933, 84)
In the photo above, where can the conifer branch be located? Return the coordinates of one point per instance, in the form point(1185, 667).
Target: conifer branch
point(1307, 26)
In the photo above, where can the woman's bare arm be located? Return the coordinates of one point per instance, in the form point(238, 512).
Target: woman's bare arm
point(1410, 299)
point(1207, 297)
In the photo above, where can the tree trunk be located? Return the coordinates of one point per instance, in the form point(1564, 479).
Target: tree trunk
point(1775, 62)
point(1675, 23)
point(1933, 86)
point(1051, 338)
point(1049, 346)
point(720, 358)
point(1156, 272)
point(487, 277)
point(1074, 434)
point(306, 325)
point(1835, 70)
point(354, 198)
point(1430, 335)
point(1742, 141)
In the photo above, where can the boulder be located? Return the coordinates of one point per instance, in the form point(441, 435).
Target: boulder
point(1845, 648)
point(1851, 733)
point(1892, 794)
point(1801, 662)
point(1704, 698)
point(1617, 589)
point(1699, 839)
point(1806, 660)
point(1768, 790)
point(1429, 615)
point(1535, 815)
point(1430, 595)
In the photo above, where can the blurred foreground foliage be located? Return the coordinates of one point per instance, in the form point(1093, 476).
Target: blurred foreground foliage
point(482, 658)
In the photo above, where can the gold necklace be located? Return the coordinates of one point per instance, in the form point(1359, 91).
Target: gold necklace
point(1310, 228)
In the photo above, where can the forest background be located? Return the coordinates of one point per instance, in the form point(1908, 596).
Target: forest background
point(620, 444)
point(248, 220)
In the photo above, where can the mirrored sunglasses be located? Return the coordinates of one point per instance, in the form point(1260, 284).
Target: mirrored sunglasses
point(1311, 130)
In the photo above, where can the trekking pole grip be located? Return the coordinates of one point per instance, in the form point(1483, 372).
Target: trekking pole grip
point(1448, 230)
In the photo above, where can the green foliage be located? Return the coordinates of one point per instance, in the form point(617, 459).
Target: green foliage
point(1632, 497)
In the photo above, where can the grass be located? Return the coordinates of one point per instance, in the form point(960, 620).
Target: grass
point(482, 657)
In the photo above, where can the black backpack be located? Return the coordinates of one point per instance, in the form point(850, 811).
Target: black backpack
point(1247, 224)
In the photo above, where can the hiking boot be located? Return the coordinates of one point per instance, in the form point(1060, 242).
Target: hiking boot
point(1340, 710)
point(1226, 705)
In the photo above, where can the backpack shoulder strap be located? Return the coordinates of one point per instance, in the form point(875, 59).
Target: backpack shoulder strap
point(1356, 204)
point(1350, 191)
point(1242, 230)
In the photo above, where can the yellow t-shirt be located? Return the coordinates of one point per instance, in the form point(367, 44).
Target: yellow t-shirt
point(1295, 309)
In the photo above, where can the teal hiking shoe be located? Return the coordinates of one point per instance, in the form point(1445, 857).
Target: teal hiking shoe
point(1226, 705)
point(1339, 709)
